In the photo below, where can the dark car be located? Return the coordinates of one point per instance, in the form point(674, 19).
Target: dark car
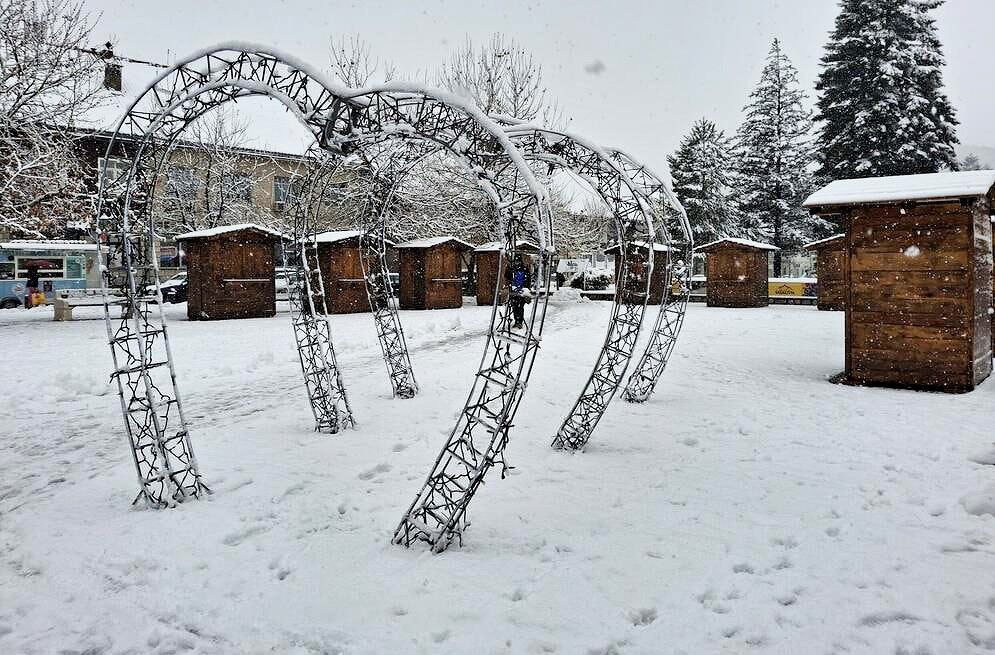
point(173, 290)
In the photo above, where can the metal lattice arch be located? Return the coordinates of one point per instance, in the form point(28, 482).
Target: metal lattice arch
point(342, 121)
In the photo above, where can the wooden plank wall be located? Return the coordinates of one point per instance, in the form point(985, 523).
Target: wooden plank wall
point(487, 270)
point(411, 270)
point(342, 274)
point(912, 294)
point(830, 264)
point(233, 256)
point(442, 283)
point(658, 279)
point(737, 277)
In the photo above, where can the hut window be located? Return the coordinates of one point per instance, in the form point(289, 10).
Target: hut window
point(281, 193)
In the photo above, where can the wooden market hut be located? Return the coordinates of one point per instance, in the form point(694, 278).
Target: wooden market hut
point(430, 272)
point(736, 272)
point(342, 271)
point(918, 277)
point(829, 264)
point(230, 272)
point(638, 253)
point(486, 259)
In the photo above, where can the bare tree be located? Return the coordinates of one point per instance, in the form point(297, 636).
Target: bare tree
point(353, 64)
point(501, 77)
point(210, 177)
point(48, 81)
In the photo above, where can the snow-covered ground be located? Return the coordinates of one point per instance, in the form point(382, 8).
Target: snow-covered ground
point(750, 506)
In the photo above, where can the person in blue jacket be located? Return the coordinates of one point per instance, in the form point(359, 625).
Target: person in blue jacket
point(520, 282)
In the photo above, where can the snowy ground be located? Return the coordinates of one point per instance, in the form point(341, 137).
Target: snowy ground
point(751, 506)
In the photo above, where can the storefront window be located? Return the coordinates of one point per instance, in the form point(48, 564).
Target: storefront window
point(49, 268)
point(74, 267)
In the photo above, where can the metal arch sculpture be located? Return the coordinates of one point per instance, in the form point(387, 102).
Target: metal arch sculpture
point(340, 120)
point(634, 225)
point(677, 291)
point(308, 305)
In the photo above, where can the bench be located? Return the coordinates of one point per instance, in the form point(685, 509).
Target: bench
point(68, 299)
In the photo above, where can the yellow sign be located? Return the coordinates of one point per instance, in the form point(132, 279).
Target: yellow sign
point(777, 287)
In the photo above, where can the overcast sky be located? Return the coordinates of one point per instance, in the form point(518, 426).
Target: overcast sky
point(662, 63)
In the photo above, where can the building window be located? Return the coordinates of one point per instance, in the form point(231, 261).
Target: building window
point(115, 177)
point(181, 185)
point(335, 192)
point(239, 186)
point(282, 193)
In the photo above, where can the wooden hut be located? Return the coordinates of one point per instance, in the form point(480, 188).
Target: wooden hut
point(430, 272)
point(736, 270)
point(342, 271)
point(638, 253)
point(486, 259)
point(230, 272)
point(829, 264)
point(918, 277)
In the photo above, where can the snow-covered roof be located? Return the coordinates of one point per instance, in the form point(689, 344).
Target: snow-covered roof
point(898, 188)
point(334, 236)
point(814, 245)
point(739, 242)
point(430, 242)
point(657, 247)
point(492, 246)
point(224, 229)
point(51, 244)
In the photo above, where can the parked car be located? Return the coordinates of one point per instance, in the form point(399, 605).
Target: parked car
point(173, 290)
point(280, 278)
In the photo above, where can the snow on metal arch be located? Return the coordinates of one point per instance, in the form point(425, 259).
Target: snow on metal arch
point(143, 368)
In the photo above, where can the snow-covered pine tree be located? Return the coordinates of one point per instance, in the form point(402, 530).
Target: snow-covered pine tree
point(882, 106)
point(702, 170)
point(972, 163)
point(773, 148)
point(931, 106)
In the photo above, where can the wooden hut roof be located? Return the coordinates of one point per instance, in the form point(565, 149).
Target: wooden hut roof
point(903, 188)
point(431, 242)
point(745, 243)
point(224, 229)
point(334, 236)
point(822, 243)
point(657, 247)
point(494, 246)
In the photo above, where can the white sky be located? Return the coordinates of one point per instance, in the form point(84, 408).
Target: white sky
point(665, 63)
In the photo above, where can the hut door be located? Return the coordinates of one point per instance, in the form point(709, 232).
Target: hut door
point(246, 278)
point(442, 277)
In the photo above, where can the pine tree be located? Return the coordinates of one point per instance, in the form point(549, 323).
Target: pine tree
point(932, 108)
point(773, 146)
point(882, 103)
point(702, 169)
point(972, 163)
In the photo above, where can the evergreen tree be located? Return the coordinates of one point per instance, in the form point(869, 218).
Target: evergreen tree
point(972, 163)
point(702, 169)
point(882, 103)
point(773, 146)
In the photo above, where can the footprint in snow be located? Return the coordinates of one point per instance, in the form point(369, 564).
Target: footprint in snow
point(235, 538)
point(979, 625)
point(382, 467)
point(643, 616)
